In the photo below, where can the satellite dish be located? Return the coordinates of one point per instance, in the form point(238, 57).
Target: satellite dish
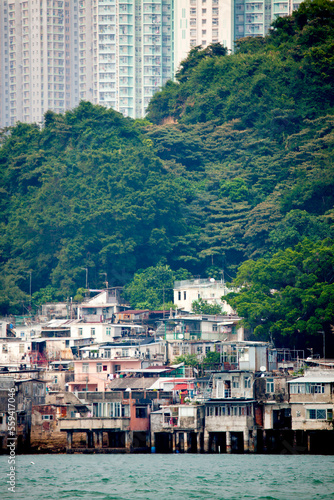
point(180, 335)
point(263, 369)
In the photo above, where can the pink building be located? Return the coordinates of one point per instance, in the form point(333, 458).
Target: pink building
point(94, 374)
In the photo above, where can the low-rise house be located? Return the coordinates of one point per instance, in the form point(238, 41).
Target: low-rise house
point(312, 400)
point(18, 403)
point(94, 373)
point(202, 327)
point(229, 425)
point(119, 420)
point(104, 332)
point(103, 307)
point(178, 428)
point(209, 290)
point(45, 431)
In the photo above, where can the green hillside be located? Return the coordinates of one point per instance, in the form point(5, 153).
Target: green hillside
point(234, 162)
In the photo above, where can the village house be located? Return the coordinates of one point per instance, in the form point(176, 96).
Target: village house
point(103, 307)
point(45, 432)
point(202, 327)
point(93, 374)
point(27, 392)
point(119, 421)
point(178, 428)
point(209, 290)
point(312, 404)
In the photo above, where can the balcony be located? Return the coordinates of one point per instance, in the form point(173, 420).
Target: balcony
point(94, 423)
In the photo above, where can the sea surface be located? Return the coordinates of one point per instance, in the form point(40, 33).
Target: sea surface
point(176, 477)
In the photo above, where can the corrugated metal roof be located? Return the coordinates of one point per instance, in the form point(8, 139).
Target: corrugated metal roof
point(314, 379)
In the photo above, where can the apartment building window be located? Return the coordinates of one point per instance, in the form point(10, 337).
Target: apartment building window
point(141, 412)
point(108, 330)
point(99, 367)
point(85, 367)
point(235, 382)
point(321, 414)
point(247, 382)
point(185, 295)
point(179, 295)
point(80, 331)
point(270, 387)
point(92, 331)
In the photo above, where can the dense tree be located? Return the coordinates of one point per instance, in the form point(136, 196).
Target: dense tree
point(200, 306)
point(152, 288)
point(236, 165)
point(289, 297)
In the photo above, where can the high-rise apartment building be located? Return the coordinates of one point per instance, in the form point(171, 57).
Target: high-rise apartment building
point(126, 52)
point(201, 22)
point(117, 53)
point(253, 18)
point(39, 58)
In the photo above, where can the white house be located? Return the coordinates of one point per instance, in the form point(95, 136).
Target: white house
point(209, 290)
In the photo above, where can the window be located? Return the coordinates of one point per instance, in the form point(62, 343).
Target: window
point(99, 367)
point(215, 327)
point(47, 417)
point(108, 330)
point(179, 295)
point(315, 388)
point(185, 295)
point(320, 414)
point(235, 382)
point(270, 388)
point(141, 412)
point(247, 382)
point(85, 367)
point(79, 331)
point(92, 331)
point(297, 388)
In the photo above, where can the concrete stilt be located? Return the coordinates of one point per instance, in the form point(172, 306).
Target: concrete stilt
point(264, 434)
point(198, 442)
point(228, 442)
point(246, 440)
point(206, 441)
point(69, 439)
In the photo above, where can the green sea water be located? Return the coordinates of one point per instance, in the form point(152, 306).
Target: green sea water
point(177, 477)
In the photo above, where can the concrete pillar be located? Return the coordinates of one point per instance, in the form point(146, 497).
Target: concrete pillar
point(206, 441)
point(69, 439)
point(294, 440)
point(152, 441)
point(187, 442)
point(246, 440)
point(198, 442)
point(128, 440)
point(89, 439)
point(253, 442)
point(264, 434)
point(98, 439)
point(148, 440)
point(174, 441)
point(228, 442)
point(309, 443)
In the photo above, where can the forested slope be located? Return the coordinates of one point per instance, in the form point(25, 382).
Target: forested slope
point(234, 162)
